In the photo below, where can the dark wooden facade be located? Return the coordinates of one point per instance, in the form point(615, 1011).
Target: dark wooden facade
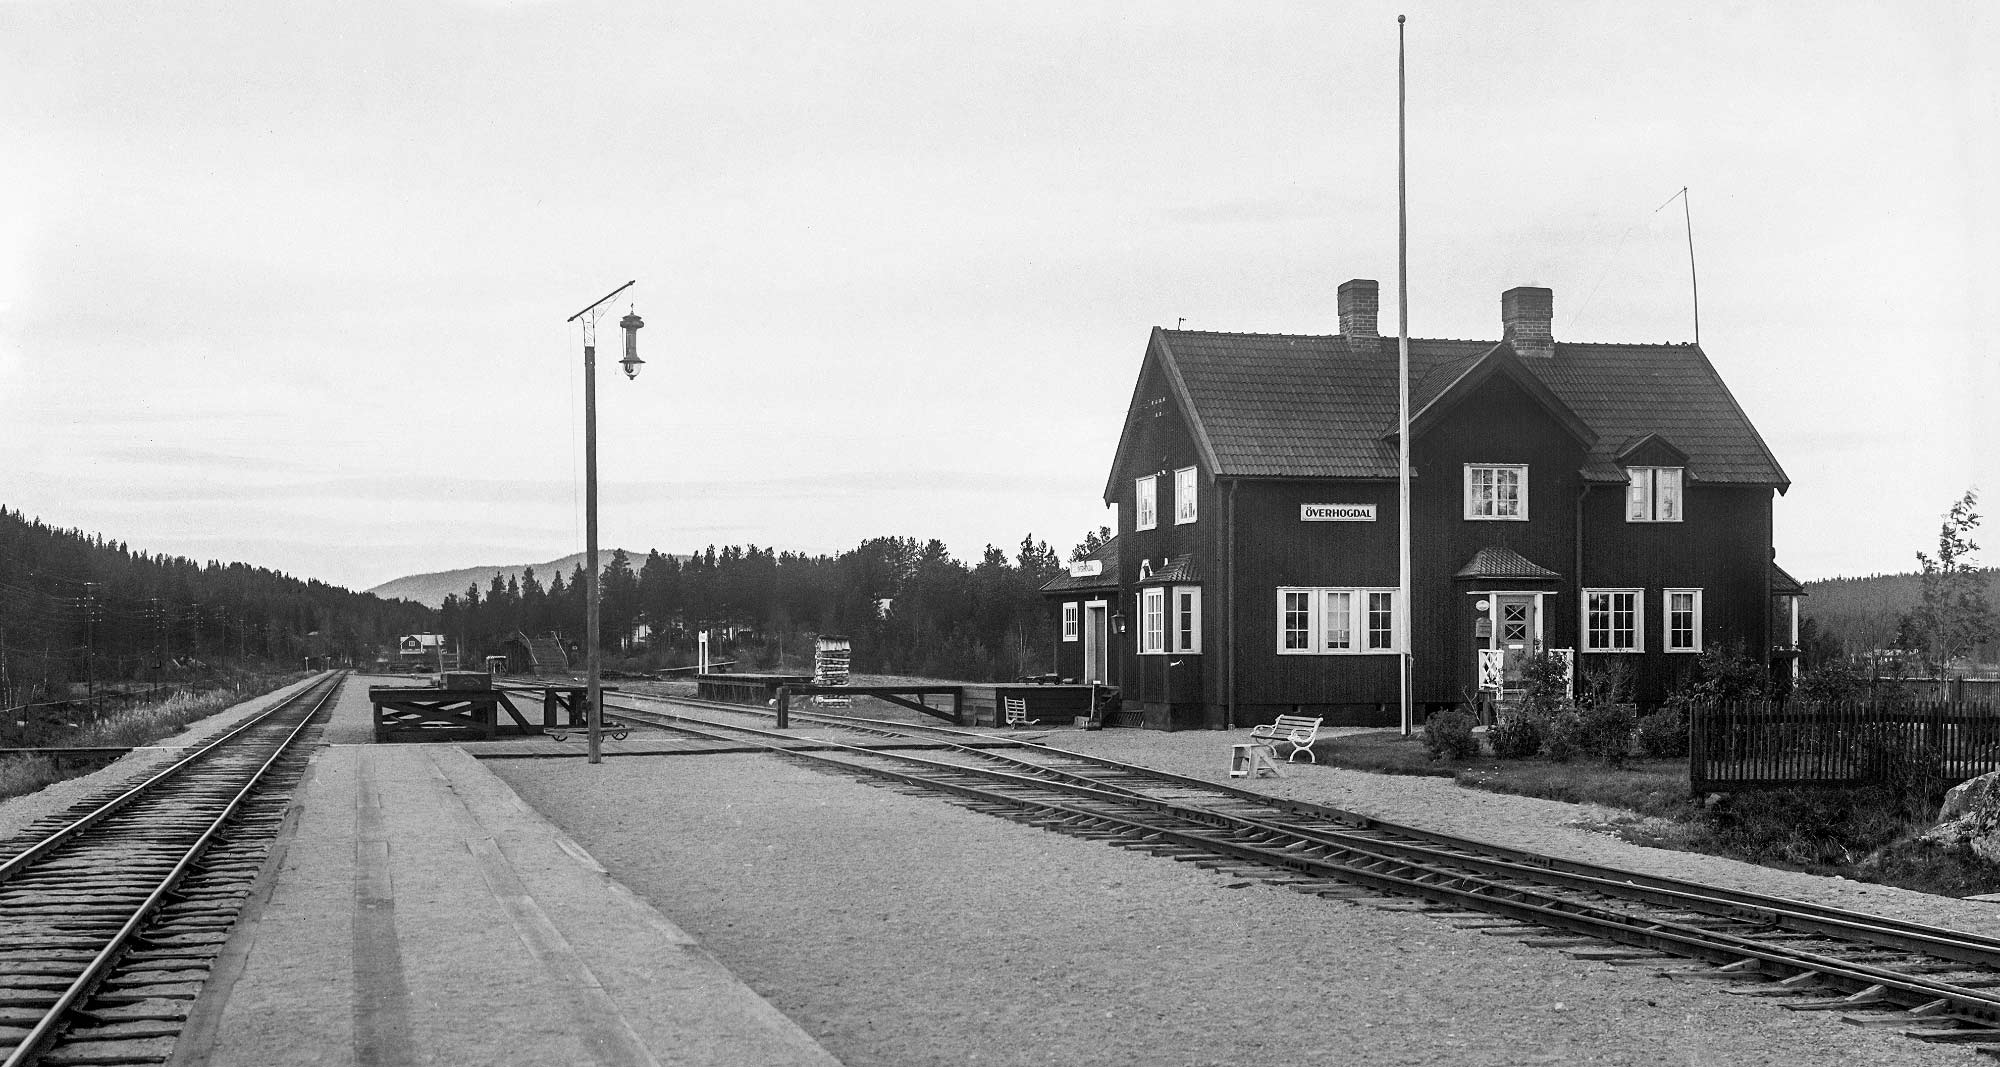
point(1237, 407)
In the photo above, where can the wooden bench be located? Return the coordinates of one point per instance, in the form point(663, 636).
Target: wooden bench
point(1298, 731)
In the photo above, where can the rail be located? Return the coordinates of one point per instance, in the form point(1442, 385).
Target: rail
point(176, 820)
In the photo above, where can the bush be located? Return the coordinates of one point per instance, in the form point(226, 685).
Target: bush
point(1545, 684)
point(1807, 827)
point(1565, 739)
point(1607, 681)
point(1448, 736)
point(1518, 736)
point(1664, 734)
point(1607, 731)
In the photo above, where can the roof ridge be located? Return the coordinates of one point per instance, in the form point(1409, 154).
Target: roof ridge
point(1327, 336)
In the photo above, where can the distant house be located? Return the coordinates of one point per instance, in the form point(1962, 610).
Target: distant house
point(416, 651)
point(1612, 499)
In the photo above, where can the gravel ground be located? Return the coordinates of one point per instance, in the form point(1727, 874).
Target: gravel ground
point(18, 812)
point(902, 930)
point(1576, 831)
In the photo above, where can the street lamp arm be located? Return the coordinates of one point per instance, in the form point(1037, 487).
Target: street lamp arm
point(602, 299)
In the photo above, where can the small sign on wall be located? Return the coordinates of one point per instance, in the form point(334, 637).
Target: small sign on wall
point(1336, 513)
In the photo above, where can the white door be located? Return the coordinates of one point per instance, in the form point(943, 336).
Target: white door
point(1093, 643)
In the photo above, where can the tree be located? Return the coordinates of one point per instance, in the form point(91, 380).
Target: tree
point(1953, 616)
point(1092, 541)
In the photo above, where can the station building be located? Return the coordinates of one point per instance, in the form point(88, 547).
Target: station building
point(1611, 499)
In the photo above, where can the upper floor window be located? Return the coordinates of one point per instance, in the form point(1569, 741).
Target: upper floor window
point(1184, 495)
point(1612, 620)
point(1683, 610)
point(1069, 622)
point(1153, 620)
point(1653, 495)
point(1324, 622)
point(1149, 495)
point(1496, 491)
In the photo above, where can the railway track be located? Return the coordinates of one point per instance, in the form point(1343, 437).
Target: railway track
point(112, 913)
point(1936, 984)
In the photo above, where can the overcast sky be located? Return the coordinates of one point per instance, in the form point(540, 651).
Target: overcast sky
point(286, 283)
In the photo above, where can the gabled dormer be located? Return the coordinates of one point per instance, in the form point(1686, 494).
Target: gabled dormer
point(1656, 479)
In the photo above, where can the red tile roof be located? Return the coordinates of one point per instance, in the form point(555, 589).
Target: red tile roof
point(1177, 569)
point(1107, 553)
point(1494, 561)
point(1281, 405)
point(1783, 584)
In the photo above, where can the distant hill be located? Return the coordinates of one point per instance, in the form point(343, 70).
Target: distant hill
point(1864, 611)
point(431, 589)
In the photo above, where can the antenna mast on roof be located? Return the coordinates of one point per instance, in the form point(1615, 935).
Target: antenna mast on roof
point(1694, 284)
point(1402, 610)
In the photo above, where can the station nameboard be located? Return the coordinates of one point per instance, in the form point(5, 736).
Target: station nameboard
point(1086, 568)
point(1336, 513)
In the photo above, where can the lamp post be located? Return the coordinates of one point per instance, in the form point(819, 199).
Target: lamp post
point(593, 658)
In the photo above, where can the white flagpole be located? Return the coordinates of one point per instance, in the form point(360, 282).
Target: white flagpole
point(1403, 607)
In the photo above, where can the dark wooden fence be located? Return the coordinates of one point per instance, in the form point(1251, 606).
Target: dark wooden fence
point(1766, 746)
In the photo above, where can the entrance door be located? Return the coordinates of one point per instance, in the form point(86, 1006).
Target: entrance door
point(1516, 633)
point(1094, 633)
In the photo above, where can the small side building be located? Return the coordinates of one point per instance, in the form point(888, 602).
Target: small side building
point(1085, 598)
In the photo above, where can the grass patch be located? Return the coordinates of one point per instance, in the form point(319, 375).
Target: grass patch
point(1866, 835)
point(1651, 787)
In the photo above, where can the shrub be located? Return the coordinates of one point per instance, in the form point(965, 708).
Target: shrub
point(1448, 736)
point(1607, 731)
point(1545, 684)
point(1608, 681)
point(1664, 734)
point(1832, 682)
point(1807, 827)
point(1565, 739)
point(1518, 736)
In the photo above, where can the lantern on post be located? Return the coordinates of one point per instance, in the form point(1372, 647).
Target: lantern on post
point(630, 324)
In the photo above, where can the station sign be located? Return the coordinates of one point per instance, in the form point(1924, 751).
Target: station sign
point(1336, 513)
point(1086, 568)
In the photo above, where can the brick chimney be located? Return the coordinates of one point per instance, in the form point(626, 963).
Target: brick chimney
point(1359, 300)
point(1526, 314)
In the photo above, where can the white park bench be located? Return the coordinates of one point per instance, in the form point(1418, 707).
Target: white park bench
point(1298, 731)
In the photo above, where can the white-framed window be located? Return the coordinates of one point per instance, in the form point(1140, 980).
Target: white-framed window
point(1153, 620)
point(1614, 620)
point(1496, 491)
point(1069, 622)
point(1320, 621)
point(1653, 494)
point(1149, 501)
point(1184, 496)
point(1683, 620)
point(1186, 636)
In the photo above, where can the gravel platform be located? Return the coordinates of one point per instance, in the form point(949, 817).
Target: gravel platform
point(903, 930)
